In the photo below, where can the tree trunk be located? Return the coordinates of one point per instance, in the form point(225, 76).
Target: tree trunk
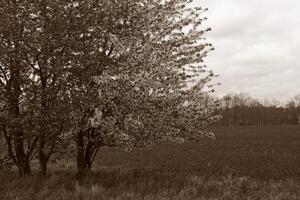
point(43, 160)
point(24, 168)
point(21, 159)
point(81, 172)
point(16, 152)
point(83, 169)
point(85, 156)
point(43, 168)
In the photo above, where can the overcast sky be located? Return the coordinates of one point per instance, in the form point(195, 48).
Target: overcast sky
point(257, 45)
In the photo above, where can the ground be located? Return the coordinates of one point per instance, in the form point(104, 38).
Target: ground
point(242, 163)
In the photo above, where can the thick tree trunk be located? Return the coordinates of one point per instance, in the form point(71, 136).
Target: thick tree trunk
point(24, 168)
point(15, 149)
point(43, 168)
point(85, 155)
point(21, 159)
point(83, 169)
point(81, 172)
point(43, 160)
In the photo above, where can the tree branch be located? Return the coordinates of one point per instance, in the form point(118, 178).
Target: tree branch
point(110, 50)
point(31, 65)
point(54, 143)
point(95, 152)
point(4, 75)
point(9, 145)
point(32, 146)
point(2, 83)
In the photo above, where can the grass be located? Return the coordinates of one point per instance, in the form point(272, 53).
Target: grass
point(243, 163)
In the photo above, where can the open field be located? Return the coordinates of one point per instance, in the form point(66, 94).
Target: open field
point(243, 163)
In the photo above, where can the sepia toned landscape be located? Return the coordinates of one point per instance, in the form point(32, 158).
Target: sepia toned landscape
point(149, 99)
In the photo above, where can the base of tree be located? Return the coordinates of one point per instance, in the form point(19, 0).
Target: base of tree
point(24, 170)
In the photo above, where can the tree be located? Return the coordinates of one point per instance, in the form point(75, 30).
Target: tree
point(293, 107)
point(250, 111)
point(12, 81)
point(140, 91)
point(36, 38)
point(110, 73)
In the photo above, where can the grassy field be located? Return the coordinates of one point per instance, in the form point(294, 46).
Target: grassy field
point(243, 163)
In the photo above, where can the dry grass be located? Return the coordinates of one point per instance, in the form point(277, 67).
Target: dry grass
point(63, 186)
point(243, 163)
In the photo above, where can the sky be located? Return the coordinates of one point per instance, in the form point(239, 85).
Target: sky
point(257, 46)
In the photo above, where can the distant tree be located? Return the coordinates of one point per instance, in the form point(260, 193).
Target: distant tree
point(296, 100)
point(293, 107)
point(250, 111)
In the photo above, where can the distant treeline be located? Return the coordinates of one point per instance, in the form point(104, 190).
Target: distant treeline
point(243, 110)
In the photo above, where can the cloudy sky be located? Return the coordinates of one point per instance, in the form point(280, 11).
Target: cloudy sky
point(257, 45)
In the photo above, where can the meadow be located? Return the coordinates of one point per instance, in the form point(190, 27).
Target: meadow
point(242, 163)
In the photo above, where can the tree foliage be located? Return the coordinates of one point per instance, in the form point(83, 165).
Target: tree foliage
point(107, 73)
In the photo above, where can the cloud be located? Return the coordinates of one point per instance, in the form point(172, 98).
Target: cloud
point(257, 46)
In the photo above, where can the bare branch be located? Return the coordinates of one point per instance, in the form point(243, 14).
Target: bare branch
point(3, 72)
point(54, 142)
point(111, 50)
point(9, 145)
point(2, 83)
point(31, 64)
point(95, 152)
point(32, 146)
